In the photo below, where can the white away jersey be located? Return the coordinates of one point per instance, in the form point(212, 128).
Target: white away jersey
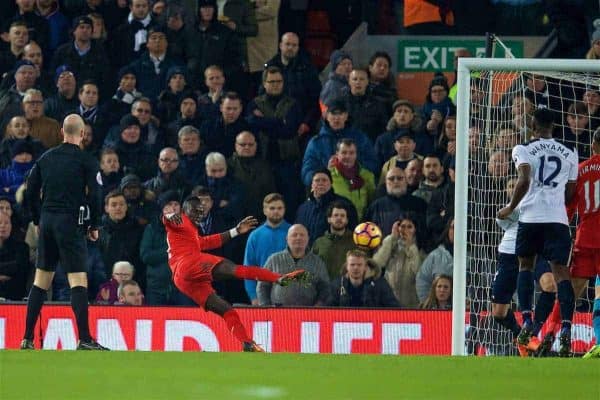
point(509, 225)
point(552, 165)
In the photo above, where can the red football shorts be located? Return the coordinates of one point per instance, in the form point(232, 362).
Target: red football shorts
point(585, 262)
point(193, 276)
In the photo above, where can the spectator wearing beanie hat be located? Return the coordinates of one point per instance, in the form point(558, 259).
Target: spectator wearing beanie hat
point(176, 83)
point(152, 66)
point(13, 177)
point(437, 105)
point(120, 104)
point(175, 28)
point(188, 115)
point(141, 203)
point(134, 156)
point(65, 100)
point(337, 83)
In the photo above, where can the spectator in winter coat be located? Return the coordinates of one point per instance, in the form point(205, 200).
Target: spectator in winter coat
point(438, 262)
point(108, 291)
point(337, 83)
point(15, 267)
point(18, 129)
point(13, 177)
point(361, 284)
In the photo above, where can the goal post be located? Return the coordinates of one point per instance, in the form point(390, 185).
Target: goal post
point(581, 73)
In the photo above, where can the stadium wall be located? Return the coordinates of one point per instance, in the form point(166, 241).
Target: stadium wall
point(296, 330)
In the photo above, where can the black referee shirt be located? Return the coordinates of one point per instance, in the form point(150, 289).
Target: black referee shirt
point(66, 178)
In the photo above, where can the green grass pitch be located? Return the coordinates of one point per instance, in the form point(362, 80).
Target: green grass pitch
point(179, 376)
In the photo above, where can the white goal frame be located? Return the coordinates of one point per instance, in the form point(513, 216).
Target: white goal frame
point(465, 66)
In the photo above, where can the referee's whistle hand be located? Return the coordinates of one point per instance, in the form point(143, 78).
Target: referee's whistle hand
point(93, 234)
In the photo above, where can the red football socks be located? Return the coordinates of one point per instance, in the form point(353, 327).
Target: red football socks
point(256, 273)
point(554, 319)
point(232, 319)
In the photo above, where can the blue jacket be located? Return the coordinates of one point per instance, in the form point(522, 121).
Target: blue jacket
point(321, 147)
point(262, 242)
point(13, 177)
point(148, 81)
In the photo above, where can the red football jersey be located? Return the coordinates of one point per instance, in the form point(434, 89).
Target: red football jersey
point(587, 203)
point(184, 240)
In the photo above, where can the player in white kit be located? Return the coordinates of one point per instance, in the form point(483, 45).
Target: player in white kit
point(547, 174)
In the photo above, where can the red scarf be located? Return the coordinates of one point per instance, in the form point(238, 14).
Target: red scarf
point(351, 174)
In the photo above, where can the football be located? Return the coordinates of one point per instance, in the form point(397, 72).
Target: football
point(367, 234)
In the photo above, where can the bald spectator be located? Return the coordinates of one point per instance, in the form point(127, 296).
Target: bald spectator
point(252, 171)
point(47, 130)
point(301, 79)
point(169, 175)
point(315, 293)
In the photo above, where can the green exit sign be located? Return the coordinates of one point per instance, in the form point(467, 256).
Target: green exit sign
point(418, 55)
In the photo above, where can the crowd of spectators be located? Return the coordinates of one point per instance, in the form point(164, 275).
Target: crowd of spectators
point(225, 104)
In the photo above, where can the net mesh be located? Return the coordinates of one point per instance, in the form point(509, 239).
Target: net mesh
point(500, 117)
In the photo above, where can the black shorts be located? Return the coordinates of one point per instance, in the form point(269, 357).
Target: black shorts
point(551, 240)
point(507, 272)
point(61, 240)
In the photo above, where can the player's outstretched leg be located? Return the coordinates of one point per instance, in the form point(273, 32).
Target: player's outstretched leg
point(226, 269)
point(219, 306)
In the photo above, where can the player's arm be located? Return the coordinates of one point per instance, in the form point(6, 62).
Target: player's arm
point(521, 188)
point(571, 198)
point(245, 225)
point(173, 218)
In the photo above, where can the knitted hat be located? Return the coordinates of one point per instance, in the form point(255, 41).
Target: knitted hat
point(126, 70)
point(127, 121)
point(175, 71)
point(167, 197)
point(130, 180)
point(82, 20)
point(439, 80)
point(61, 69)
point(20, 146)
point(337, 57)
point(23, 63)
point(403, 102)
point(323, 171)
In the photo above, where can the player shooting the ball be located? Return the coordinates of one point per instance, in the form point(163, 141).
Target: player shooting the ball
point(193, 270)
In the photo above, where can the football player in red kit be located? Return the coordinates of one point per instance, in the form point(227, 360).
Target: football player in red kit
point(194, 270)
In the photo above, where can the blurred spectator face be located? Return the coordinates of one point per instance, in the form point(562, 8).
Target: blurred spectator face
point(177, 83)
point(33, 106)
point(132, 295)
point(18, 36)
point(142, 111)
point(403, 116)
point(98, 29)
point(510, 187)
point(443, 289)
point(297, 238)
point(395, 182)
point(536, 83)
point(358, 82)
point(344, 67)
point(245, 145)
point(432, 169)
point(189, 144)
point(336, 120)
point(214, 80)
point(274, 211)
point(128, 82)
point(5, 226)
point(6, 207)
point(88, 95)
point(216, 170)
point(139, 8)
point(206, 203)
point(521, 105)
point(473, 139)
point(18, 128)
point(356, 267)
point(109, 163)
point(168, 161)
point(88, 136)
point(591, 99)
point(408, 230)
point(188, 108)
point(83, 33)
point(404, 147)
point(132, 192)
point(273, 84)
point(231, 110)
point(33, 53)
point(347, 154)
point(414, 172)
point(25, 5)
point(207, 13)
point(578, 123)
point(122, 272)
point(498, 164)
point(438, 93)
point(379, 70)
point(450, 128)
point(66, 84)
point(507, 139)
point(175, 22)
point(320, 185)
point(116, 208)
point(131, 134)
point(338, 219)
point(157, 43)
point(25, 78)
point(158, 8)
point(289, 45)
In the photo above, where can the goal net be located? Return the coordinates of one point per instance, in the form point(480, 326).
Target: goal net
point(495, 102)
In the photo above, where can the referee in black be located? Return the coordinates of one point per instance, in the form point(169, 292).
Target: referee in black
point(61, 183)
